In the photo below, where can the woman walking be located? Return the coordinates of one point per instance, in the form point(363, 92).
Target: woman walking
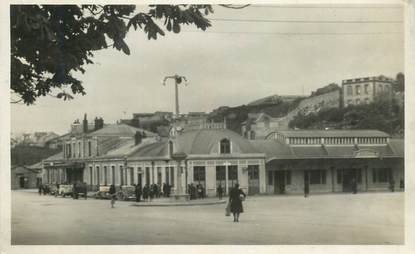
point(236, 196)
point(112, 193)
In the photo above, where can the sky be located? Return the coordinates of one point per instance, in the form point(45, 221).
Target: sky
point(232, 63)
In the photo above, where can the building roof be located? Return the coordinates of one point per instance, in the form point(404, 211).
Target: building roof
point(204, 141)
point(275, 149)
point(58, 156)
point(333, 133)
point(121, 130)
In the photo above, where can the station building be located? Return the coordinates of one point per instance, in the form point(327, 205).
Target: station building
point(211, 157)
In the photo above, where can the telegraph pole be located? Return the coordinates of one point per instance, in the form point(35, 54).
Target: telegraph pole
point(177, 81)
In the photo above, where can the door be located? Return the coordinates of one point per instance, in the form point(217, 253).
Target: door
point(253, 179)
point(348, 176)
point(279, 182)
point(21, 182)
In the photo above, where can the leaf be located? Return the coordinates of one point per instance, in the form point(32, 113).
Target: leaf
point(124, 47)
point(176, 27)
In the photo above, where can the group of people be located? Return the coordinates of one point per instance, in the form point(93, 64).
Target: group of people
point(149, 192)
point(196, 191)
point(44, 189)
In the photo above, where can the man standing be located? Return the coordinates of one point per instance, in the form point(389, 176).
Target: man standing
point(354, 185)
point(220, 191)
point(138, 193)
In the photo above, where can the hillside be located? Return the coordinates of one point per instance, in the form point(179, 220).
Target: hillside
point(235, 116)
point(383, 114)
point(28, 155)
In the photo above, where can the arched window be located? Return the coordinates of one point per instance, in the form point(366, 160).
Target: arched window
point(225, 146)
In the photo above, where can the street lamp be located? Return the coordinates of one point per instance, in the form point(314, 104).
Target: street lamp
point(177, 81)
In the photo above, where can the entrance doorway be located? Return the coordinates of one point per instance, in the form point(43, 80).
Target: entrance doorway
point(347, 176)
point(279, 182)
point(74, 175)
point(253, 179)
point(22, 182)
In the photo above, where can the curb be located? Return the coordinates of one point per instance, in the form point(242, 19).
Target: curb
point(180, 204)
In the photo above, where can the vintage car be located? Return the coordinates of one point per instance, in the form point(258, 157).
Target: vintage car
point(103, 192)
point(80, 189)
point(126, 192)
point(65, 190)
point(52, 189)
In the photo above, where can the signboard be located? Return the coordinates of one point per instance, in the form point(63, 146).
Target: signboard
point(366, 153)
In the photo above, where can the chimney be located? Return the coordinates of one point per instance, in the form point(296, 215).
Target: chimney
point(138, 137)
point(98, 123)
point(85, 124)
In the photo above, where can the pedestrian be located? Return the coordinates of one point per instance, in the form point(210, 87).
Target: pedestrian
point(145, 192)
point(151, 192)
point(40, 189)
point(306, 186)
point(112, 193)
point(220, 191)
point(354, 185)
point(164, 190)
point(236, 196)
point(199, 191)
point(138, 193)
point(402, 185)
point(392, 185)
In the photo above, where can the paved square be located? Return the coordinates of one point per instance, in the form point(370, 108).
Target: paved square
point(366, 218)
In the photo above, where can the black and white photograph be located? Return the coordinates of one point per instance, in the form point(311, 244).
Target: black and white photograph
point(187, 124)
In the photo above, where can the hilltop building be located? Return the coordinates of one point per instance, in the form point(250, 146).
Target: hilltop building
point(364, 90)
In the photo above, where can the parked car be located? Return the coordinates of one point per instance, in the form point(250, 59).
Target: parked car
point(103, 192)
point(126, 192)
point(80, 189)
point(65, 190)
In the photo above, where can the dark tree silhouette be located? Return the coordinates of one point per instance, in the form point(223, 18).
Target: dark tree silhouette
point(51, 42)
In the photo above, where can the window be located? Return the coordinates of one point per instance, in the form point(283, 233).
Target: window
point(199, 174)
point(171, 175)
point(113, 174)
point(98, 176)
point(225, 146)
point(220, 173)
point(132, 176)
point(288, 177)
point(366, 88)
point(232, 176)
point(366, 100)
point(252, 135)
point(90, 175)
point(358, 90)
point(349, 90)
point(339, 176)
point(121, 175)
point(357, 101)
point(147, 175)
point(380, 88)
point(105, 175)
point(253, 172)
point(159, 175)
point(270, 175)
point(381, 175)
point(167, 175)
point(89, 148)
point(317, 176)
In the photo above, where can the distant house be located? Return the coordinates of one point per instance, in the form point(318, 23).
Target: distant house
point(259, 125)
point(26, 177)
point(363, 90)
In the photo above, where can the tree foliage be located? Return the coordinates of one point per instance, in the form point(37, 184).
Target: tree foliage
point(51, 42)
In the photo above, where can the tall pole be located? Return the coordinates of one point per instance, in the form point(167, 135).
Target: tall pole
point(176, 85)
point(177, 81)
